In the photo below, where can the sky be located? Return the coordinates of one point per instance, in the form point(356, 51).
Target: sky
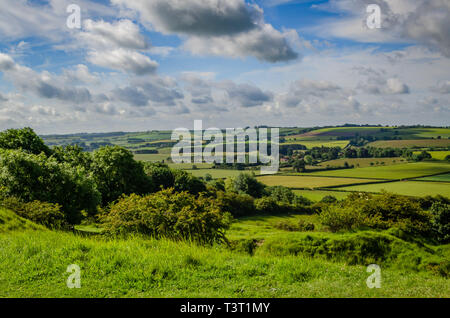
point(138, 65)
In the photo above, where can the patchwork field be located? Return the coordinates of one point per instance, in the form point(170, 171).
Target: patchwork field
point(219, 173)
point(362, 162)
point(401, 171)
point(419, 143)
point(441, 178)
point(319, 143)
point(318, 195)
point(151, 157)
point(310, 182)
point(411, 188)
point(439, 155)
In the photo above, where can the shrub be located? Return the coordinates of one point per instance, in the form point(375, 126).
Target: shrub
point(47, 214)
point(441, 221)
point(269, 205)
point(179, 216)
point(339, 218)
point(328, 199)
point(235, 204)
point(383, 211)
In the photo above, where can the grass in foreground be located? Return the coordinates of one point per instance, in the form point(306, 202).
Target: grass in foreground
point(34, 263)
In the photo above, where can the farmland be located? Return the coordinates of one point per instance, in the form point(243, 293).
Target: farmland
point(411, 188)
point(419, 143)
point(402, 171)
point(311, 182)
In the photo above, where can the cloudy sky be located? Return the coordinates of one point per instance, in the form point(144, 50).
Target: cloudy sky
point(160, 64)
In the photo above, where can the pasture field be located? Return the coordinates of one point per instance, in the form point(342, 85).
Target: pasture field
point(362, 162)
point(158, 157)
point(188, 166)
point(317, 195)
point(410, 188)
point(441, 178)
point(220, 173)
point(438, 155)
point(393, 172)
point(309, 182)
point(418, 143)
point(319, 143)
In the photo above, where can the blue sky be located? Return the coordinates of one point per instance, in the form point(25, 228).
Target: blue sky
point(142, 65)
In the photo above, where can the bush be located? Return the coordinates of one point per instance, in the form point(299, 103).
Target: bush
point(301, 226)
point(383, 211)
point(235, 204)
point(441, 221)
point(35, 177)
point(47, 214)
point(179, 216)
point(270, 206)
point(339, 218)
point(328, 199)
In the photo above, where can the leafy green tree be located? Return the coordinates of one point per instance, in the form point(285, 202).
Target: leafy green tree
point(245, 183)
point(187, 182)
point(73, 155)
point(116, 172)
point(32, 177)
point(24, 139)
point(160, 174)
point(299, 165)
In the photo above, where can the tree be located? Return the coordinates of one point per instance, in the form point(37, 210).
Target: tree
point(24, 139)
point(73, 155)
point(32, 177)
point(247, 184)
point(187, 182)
point(299, 165)
point(160, 174)
point(116, 172)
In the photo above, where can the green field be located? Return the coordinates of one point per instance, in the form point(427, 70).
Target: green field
point(308, 181)
point(419, 143)
point(441, 177)
point(411, 188)
point(220, 173)
point(319, 143)
point(362, 162)
point(401, 171)
point(151, 157)
point(317, 195)
point(439, 155)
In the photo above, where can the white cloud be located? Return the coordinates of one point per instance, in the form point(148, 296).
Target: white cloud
point(123, 60)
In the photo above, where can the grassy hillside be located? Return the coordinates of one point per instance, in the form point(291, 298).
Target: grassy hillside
point(33, 264)
point(9, 221)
